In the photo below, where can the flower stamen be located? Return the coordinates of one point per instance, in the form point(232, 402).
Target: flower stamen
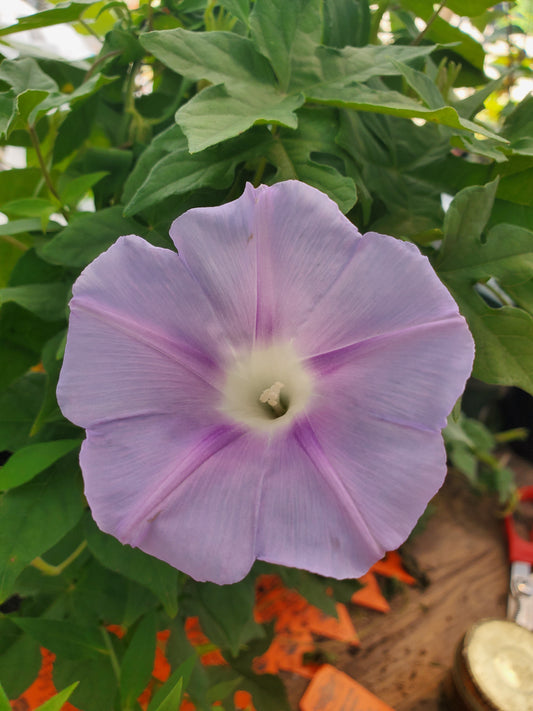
point(271, 396)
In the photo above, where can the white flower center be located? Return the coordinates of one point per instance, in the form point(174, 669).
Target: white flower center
point(267, 388)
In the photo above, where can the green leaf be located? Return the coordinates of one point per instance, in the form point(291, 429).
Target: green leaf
point(507, 254)
point(76, 188)
point(226, 613)
point(363, 98)
point(4, 701)
point(329, 69)
point(159, 577)
point(35, 516)
point(29, 461)
point(20, 659)
point(518, 127)
point(64, 12)
point(268, 691)
point(394, 158)
point(179, 172)
point(503, 336)
point(168, 697)
point(219, 57)
point(87, 236)
point(75, 128)
point(64, 637)
point(97, 687)
point(244, 90)
point(16, 227)
point(57, 701)
point(298, 154)
point(22, 336)
point(48, 301)
point(273, 27)
point(465, 221)
point(235, 113)
point(504, 340)
point(469, 8)
point(238, 8)
point(173, 698)
point(29, 207)
point(346, 22)
point(19, 405)
point(138, 661)
point(441, 32)
point(18, 183)
point(25, 74)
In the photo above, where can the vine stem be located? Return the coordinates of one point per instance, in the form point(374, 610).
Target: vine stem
point(431, 20)
point(259, 172)
point(100, 61)
point(111, 650)
point(46, 174)
point(15, 242)
point(49, 569)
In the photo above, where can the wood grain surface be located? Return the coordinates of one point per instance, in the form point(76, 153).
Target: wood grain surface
point(461, 554)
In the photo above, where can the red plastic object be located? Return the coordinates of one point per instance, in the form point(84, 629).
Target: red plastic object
point(519, 548)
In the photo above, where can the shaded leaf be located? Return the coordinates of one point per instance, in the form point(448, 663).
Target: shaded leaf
point(226, 613)
point(29, 461)
point(179, 172)
point(168, 697)
point(159, 577)
point(87, 236)
point(19, 405)
point(48, 301)
point(57, 701)
point(35, 516)
point(138, 660)
point(97, 687)
point(64, 12)
point(20, 659)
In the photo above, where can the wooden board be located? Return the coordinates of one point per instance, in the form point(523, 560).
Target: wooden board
point(405, 654)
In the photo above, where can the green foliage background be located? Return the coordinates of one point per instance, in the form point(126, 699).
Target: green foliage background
point(183, 102)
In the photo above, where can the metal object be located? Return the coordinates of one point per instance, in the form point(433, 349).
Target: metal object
point(520, 601)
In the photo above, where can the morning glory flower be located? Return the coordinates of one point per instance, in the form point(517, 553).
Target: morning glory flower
point(276, 390)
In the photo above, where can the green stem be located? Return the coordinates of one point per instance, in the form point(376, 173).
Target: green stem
point(46, 175)
point(15, 242)
point(49, 569)
point(259, 172)
point(431, 20)
point(281, 159)
point(100, 61)
point(89, 29)
point(518, 433)
point(44, 170)
point(113, 657)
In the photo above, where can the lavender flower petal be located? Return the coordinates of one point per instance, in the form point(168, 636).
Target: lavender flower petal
point(133, 346)
point(387, 287)
point(390, 470)
point(307, 517)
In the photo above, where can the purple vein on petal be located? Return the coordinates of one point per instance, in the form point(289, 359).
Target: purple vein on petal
point(264, 289)
point(399, 423)
point(328, 361)
point(308, 441)
point(133, 529)
point(188, 357)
